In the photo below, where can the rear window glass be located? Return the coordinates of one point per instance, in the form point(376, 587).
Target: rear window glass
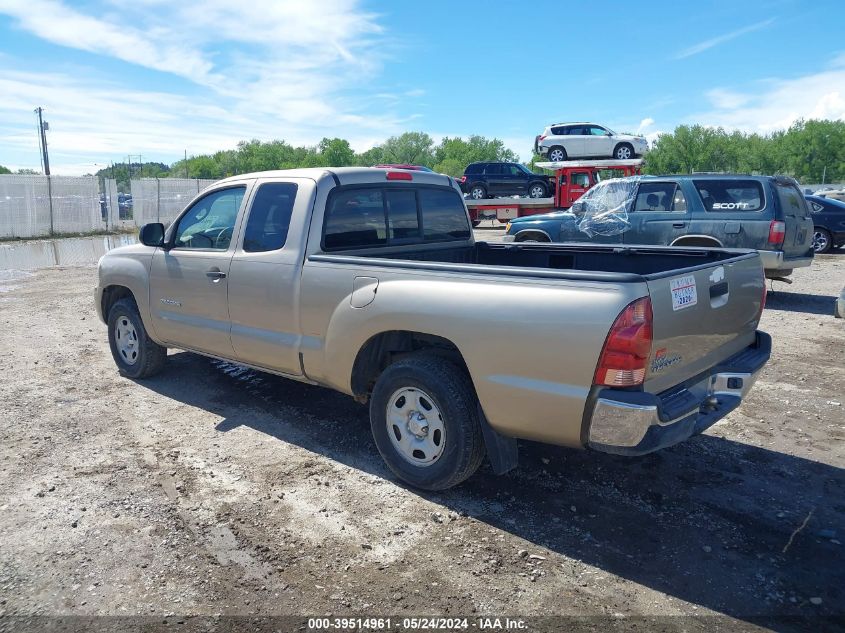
point(356, 219)
point(791, 201)
point(367, 217)
point(474, 169)
point(730, 195)
point(443, 215)
point(402, 214)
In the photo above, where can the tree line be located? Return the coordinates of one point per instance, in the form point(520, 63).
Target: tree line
point(811, 151)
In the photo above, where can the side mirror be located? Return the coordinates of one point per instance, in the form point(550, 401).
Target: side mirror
point(577, 208)
point(152, 234)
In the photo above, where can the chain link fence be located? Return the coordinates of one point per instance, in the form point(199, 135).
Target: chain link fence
point(40, 206)
point(161, 199)
point(35, 206)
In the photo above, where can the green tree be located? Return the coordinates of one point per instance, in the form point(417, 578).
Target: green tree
point(28, 172)
point(5, 170)
point(413, 148)
point(373, 156)
point(336, 152)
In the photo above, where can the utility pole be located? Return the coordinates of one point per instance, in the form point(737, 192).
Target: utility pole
point(42, 128)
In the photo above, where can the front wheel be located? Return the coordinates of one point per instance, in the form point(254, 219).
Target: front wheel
point(822, 241)
point(135, 353)
point(623, 152)
point(424, 419)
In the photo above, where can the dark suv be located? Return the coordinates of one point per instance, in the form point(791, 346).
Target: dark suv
point(489, 180)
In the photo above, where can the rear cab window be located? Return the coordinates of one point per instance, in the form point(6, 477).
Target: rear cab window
point(731, 195)
point(375, 216)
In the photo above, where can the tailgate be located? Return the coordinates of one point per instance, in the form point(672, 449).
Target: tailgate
point(798, 238)
point(702, 315)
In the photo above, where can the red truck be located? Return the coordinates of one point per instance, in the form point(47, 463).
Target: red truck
point(572, 179)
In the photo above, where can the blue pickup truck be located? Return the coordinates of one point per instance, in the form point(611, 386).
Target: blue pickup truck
point(766, 213)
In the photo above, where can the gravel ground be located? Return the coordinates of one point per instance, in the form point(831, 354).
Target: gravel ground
point(212, 489)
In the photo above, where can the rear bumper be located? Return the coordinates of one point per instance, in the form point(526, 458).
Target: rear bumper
point(776, 261)
point(636, 423)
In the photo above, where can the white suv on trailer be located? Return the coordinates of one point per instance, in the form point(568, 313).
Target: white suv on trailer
point(562, 141)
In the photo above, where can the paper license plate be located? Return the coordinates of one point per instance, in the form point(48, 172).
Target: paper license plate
point(683, 292)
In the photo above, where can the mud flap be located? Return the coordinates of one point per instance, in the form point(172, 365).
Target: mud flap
point(501, 450)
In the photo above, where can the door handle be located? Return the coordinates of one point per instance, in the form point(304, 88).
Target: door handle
point(678, 225)
point(215, 275)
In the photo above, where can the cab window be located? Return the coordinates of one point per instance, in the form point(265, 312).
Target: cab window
point(269, 217)
point(210, 222)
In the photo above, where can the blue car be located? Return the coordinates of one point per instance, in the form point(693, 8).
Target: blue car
point(828, 223)
point(766, 213)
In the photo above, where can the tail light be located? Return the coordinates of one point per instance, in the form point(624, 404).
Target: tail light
point(399, 175)
point(463, 179)
point(624, 356)
point(777, 232)
point(540, 138)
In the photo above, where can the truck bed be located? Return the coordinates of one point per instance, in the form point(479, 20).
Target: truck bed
point(576, 261)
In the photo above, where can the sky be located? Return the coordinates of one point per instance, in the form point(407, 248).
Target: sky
point(158, 78)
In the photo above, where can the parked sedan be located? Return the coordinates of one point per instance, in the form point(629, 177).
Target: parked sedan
point(828, 221)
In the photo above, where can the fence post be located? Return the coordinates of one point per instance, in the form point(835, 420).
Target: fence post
point(50, 199)
point(158, 200)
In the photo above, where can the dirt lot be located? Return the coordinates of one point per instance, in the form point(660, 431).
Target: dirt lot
point(212, 489)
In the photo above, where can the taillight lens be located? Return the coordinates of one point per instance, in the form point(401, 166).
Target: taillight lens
point(625, 354)
point(463, 179)
point(399, 175)
point(777, 232)
point(541, 137)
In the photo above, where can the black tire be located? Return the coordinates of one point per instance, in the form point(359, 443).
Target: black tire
point(822, 240)
point(557, 148)
point(146, 357)
point(624, 151)
point(541, 192)
point(452, 392)
point(477, 192)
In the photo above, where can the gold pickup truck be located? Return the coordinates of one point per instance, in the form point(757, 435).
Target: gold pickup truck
point(369, 281)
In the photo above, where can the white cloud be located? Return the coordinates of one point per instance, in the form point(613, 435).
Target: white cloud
point(275, 69)
point(775, 104)
point(721, 39)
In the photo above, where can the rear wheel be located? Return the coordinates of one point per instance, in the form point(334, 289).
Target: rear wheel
point(623, 152)
point(537, 190)
point(557, 154)
point(135, 353)
point(424, 419)
point(478, 192)
point(822, 241)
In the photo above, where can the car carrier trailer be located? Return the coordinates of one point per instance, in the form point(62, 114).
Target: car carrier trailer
point(572, 179)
